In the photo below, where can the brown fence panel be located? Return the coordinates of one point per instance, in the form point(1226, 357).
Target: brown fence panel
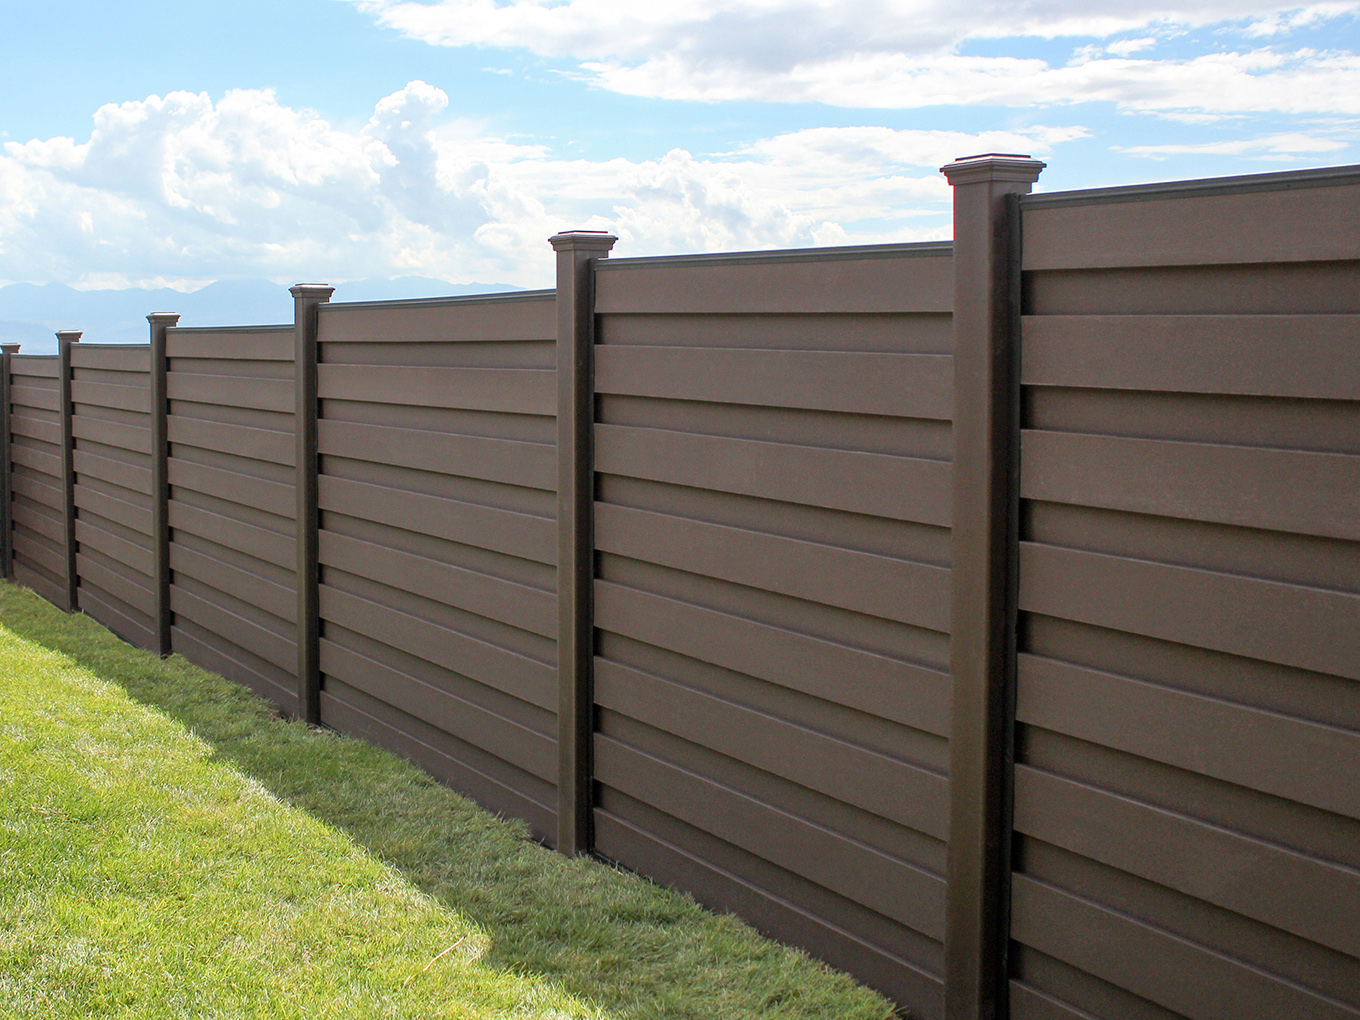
point(37, 479)
point(437, 542)
point(772, 448)
point(111, 429)
point(232, 506)
point(1187, 787)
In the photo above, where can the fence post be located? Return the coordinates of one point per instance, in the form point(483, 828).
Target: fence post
point(6, 466)
point(982, 623)
point(577, 251)
point(65, 338)
point(306, 297)
point(160, 482)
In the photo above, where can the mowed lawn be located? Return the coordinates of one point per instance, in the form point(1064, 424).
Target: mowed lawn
point(171, 848)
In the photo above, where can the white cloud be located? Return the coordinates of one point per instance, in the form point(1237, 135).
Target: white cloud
point(905, 53)
point(178, 190)
point(1284, 146)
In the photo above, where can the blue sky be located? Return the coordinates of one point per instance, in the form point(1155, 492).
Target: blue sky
point(157, 145)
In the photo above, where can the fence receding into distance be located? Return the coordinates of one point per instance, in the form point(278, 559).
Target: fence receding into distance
point(984, 617)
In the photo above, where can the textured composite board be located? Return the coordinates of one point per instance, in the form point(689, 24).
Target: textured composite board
point(111, 428)
point(232, 504)
point(438, 540)
point(772, 448)
point(1187, 788)
point(38, 495)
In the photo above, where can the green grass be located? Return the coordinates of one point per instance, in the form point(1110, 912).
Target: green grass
point(169, 847)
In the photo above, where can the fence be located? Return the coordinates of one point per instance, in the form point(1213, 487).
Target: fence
point(984, 617)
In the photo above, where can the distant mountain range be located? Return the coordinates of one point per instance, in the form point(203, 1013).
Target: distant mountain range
point(31, 313)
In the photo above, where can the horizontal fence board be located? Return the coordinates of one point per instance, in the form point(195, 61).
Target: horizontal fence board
point(1281, 887)
point(131, 587)
point(37, 501)
point(41, 553)
point(1297, 491)
point(518, 605)
point(905, 692)
point(122, 358)
point(235, 580)
point(119, 472)
point(124, 435)
point(203, 648)
point(111, 613)
point(275, 497)
point(34, 578)
point(907, 794)
point(499, 460)
point(1294, 625)
point(43, 398)
point(1280, 225)
point(42, 520)
point(35, 366)
point(21, 424)
point(509, 672)
point(901, 385)
point(350, 711)
point(269, 645)
point(231, 391)
point(259, 343)
point(39, 461)
point(507, 739)
point(893, 283)
point(134, 516)
point(897, 890)
point(901, 488)
point(1169, 970)
point(508, 390)
point(1297, 759)
point(510, 318)
point(1310, 356)
point(524, 535)
point(99, 394)
point(255, 444)
point(270, 546)
point(915, 593)
point(720, 889)
point(136, 555)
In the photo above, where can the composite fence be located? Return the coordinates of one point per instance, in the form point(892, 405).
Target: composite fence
point(983, 617)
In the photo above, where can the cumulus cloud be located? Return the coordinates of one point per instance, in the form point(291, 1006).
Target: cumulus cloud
point(906, 53)
point(179, 190)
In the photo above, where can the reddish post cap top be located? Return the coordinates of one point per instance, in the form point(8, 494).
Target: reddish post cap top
point(589, 240)
point(320, 291)
point(993, 166)
point(68, 336)
point(9, 348)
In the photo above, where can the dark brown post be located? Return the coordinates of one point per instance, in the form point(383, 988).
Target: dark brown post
point(6, 466)
point(306, 297)
point(65, 338)
point(982, 644)
point(160, 481)
point(577, 251)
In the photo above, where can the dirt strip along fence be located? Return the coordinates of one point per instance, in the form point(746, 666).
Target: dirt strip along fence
point(984, 618)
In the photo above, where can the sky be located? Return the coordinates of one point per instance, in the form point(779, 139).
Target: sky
point(171, 145)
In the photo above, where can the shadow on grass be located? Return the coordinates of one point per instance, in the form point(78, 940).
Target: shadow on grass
point(625, 945)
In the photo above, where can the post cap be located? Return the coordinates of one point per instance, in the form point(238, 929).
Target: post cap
point(582, 240)
point(993, 166)
point(9, 348)
point(68, 336)
point(319, 291)
point(163, 318)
